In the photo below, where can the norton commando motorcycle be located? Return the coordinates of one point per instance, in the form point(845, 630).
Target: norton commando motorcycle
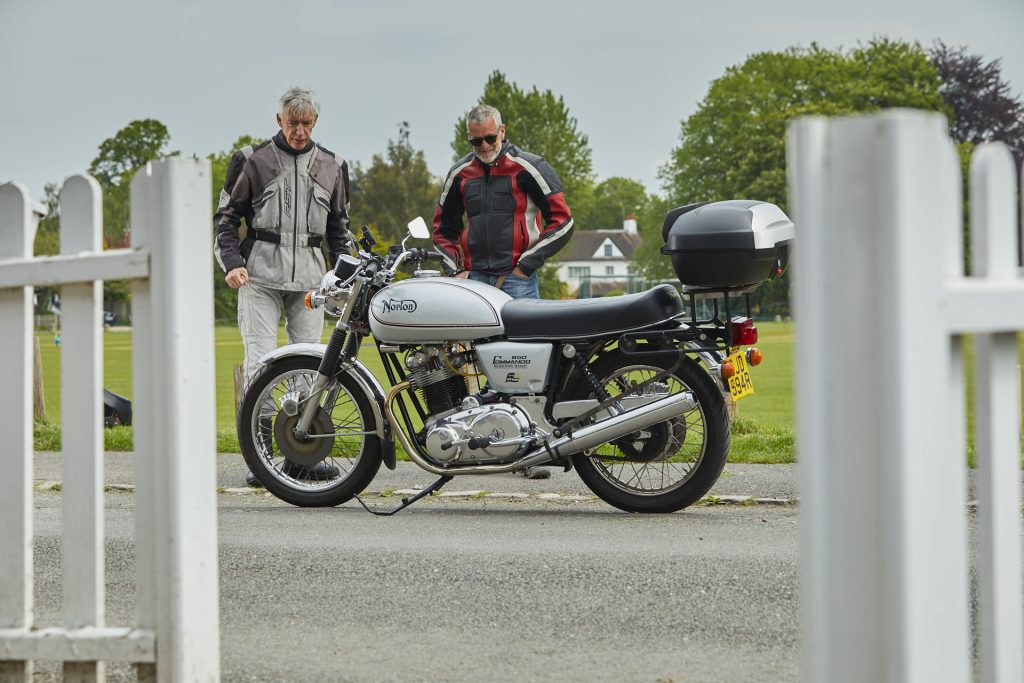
point(631, 391)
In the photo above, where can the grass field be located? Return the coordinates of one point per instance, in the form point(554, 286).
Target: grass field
point(763, 432)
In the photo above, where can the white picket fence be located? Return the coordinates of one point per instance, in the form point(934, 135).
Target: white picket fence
point(881, 306)
point(176, 632)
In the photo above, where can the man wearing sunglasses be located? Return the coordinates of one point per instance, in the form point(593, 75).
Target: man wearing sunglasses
point(501, 214)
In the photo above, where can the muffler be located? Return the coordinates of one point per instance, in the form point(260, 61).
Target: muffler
point(616, 427)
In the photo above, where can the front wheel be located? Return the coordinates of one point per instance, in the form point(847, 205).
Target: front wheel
point(339, 457)
point(667, 466)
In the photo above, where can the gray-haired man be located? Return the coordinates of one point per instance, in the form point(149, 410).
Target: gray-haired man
point(293, 196)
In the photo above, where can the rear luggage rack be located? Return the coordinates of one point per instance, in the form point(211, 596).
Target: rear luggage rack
point(720, 331)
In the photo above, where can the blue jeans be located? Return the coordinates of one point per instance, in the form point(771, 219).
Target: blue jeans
point(516, 287)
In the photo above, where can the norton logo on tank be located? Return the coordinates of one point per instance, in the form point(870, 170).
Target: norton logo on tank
point(399, 306)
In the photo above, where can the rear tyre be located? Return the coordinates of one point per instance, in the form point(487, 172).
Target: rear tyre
point(321, 471)
point(667, 466)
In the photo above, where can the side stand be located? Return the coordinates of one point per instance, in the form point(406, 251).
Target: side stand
point(406, 502)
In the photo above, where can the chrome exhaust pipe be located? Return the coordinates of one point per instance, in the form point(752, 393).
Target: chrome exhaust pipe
point(612, 428)
point(580, 440)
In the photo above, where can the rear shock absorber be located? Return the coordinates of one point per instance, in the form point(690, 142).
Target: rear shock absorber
point(599, 390)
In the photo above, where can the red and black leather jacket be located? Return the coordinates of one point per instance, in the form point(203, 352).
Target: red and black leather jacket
point(515, 209)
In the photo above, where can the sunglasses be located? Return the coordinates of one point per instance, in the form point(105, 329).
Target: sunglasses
point(491, 139)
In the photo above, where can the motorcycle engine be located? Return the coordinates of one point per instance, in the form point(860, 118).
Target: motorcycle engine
point(455, 416)
point(484, 424)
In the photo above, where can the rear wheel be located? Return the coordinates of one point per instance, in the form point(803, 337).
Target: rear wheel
point(336, 461)
point(667, 466)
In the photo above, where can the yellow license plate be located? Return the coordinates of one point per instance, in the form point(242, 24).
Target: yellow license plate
point(740, 384)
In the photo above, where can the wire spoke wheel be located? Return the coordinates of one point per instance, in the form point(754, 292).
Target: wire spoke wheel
point(666, 466)
point(337, 458)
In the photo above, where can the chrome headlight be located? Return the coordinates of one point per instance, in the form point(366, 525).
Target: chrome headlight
point(336, 299)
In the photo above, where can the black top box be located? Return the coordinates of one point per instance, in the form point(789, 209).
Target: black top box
point(733, 244)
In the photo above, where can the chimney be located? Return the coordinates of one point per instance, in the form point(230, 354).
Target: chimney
point(629, 224)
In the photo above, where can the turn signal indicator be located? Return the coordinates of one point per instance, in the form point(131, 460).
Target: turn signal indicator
point(727, 369)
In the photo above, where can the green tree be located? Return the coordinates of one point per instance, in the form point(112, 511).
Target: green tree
point(548, 282)
point(394, 189)
point(539, 123)
point(118, 159)
point(733, 146)
point(225, 299)
point(47, 242)
point(614, 199)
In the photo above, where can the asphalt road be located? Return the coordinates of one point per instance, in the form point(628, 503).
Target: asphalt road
point(483, 589)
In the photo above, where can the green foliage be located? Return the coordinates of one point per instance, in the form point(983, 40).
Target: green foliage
point(613, 200)
point(539, 123)
point(394, 189)
point(648, 261)
point(225, 299)
point(733, 146)
point(551, 287)
point(118, 159)
point(47, 240)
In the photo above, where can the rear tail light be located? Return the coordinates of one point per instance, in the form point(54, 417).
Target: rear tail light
point(743, 331)
point(754, 356)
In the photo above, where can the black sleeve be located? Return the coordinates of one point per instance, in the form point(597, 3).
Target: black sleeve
point(338, 231)
point(235, 204)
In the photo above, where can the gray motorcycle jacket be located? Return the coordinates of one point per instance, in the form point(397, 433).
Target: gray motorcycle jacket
point(292, 201)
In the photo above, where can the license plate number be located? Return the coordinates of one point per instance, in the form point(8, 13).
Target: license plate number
point(740, 384)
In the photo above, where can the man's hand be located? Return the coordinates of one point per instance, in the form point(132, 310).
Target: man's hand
point(518, 273)
point(464, 274)
point(237, 277)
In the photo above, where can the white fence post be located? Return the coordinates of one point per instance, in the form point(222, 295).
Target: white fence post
point(82, 421)
point(884, 565)
point(18, 219)
point(175, 420)
point(177, 634)
point(998, 414)
point(881, 304)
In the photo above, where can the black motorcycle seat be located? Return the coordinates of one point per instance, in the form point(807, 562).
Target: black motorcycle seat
point(581, 318)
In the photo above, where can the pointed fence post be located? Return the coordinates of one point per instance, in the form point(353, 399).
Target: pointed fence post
point(174, 418)
point(81, 210)
point(19, 217)
point(997, 424)
point(884, 563)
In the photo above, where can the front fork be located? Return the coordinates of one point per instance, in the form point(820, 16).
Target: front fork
point(342, 345)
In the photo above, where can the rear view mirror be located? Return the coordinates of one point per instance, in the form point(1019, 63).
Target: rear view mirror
point(418, 228)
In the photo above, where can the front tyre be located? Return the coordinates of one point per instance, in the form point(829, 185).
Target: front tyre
point(667, 466)
point(341, 455)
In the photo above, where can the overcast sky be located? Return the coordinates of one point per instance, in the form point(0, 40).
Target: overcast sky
point(73, 73)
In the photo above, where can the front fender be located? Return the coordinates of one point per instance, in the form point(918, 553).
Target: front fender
point(370, 385)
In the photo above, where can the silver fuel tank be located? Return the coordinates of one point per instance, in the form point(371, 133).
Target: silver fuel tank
point(436, 309)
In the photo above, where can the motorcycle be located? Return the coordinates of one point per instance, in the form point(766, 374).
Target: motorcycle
point(631, 391)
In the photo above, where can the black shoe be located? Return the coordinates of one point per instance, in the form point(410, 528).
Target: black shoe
point(252, 482)
point(537, 472)
point(321, 471)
